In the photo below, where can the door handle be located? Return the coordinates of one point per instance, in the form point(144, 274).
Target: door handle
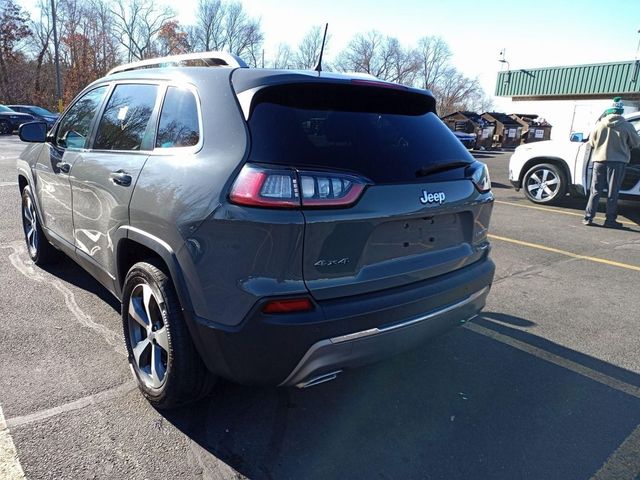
point(120, 177)
point(64, 167)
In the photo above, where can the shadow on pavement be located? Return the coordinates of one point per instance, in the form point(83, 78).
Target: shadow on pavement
point(69, 271)
point(464, 406)
point(626, 208)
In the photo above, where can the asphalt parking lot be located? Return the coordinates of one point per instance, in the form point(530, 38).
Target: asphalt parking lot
point(544, 385)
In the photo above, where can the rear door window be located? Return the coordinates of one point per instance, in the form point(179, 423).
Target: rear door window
point(125, 121)
point(384, 134)
point(179, 124)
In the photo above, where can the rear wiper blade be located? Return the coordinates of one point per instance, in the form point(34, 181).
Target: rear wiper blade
point(440, 167)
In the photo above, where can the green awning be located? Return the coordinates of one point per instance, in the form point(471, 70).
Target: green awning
point(602, 80)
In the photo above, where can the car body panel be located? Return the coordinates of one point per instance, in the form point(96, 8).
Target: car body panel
point(101, 206)
point(53, 189)
point(575, 157)
point(390, 238)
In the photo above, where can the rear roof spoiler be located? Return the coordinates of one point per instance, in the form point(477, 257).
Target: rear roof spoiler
point(201, 59)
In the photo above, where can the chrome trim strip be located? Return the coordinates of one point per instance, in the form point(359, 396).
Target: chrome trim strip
point(406, 323)
point(376, 331)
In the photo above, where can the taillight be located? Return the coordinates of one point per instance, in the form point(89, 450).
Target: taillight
point(478, 173)
point(319, 189)
point(260, 186)
point(289, 305)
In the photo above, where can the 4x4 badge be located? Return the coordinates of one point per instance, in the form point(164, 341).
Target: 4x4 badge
point(437, 197)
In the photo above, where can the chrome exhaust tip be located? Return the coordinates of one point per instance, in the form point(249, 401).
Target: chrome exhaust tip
point(325, 377)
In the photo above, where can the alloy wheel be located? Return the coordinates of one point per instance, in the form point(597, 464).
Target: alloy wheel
point(30, 225)
point(543, 184)
point(148, 336)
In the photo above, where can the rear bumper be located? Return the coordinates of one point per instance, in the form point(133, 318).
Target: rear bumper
point(327, 357)
point(294, 349)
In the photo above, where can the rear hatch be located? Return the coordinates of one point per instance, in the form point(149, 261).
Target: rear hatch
point(411, 211)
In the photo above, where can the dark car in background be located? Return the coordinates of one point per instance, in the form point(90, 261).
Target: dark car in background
point(37, 113)
point(10, 120)
point(467, 139)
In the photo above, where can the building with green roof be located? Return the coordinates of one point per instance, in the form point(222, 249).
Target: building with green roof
point(571, 97)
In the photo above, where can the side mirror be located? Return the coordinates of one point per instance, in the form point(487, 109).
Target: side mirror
point(577, 137)
point(34, 132)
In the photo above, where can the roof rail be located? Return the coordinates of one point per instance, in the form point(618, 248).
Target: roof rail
point(201, 59)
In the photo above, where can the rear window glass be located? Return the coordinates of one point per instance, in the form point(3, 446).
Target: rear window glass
point(179, 126)
point(386, 135)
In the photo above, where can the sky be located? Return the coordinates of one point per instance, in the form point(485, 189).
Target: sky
point(534, 33)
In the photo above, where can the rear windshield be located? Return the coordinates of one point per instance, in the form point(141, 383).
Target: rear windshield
point(384, 134)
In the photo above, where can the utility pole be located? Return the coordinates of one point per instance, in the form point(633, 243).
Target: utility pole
point(56, 56)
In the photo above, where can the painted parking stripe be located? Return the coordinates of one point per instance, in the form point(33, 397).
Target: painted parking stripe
point(624, 463)
point(81, 403)
point(628, 266)
point(555, 210)
point(557, 360)
point(8, 184)
point(10, 468)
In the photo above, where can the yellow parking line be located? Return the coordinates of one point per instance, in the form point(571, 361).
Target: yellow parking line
point(565, 253)
point(554, 210)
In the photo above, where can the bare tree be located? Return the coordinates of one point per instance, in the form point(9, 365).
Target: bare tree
point(364, 54)
point(41, 41)
point(404, 63)
point(242, 35)
point(208, 32)
point(427, 66)
point(455, 92)
point(434, 55)
point(283, 58)
point(137, 24)
point(308, 52)
point(381, 56)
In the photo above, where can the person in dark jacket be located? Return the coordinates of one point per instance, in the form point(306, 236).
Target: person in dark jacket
point(611, 141)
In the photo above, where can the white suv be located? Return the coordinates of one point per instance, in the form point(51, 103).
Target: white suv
point(546, 171)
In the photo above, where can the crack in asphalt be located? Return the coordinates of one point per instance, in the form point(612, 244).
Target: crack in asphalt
point(18, 259)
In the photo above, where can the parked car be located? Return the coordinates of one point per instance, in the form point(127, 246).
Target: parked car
point(267, 226)
point(467, 139)
point(10, 120)
point(547, 171)
point(37, 113)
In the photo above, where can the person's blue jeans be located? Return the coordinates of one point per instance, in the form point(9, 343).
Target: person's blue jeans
point(605, 175)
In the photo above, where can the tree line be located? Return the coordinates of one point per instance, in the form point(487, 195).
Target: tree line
point(96, 35)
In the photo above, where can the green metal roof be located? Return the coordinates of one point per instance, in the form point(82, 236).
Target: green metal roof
point(601, 80)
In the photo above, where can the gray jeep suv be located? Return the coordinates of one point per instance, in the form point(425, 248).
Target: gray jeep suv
point(266, 226)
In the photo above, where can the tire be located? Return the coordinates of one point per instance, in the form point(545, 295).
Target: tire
point(5, 128)
point(39, 249)
point(162, 355)
point(545, 183)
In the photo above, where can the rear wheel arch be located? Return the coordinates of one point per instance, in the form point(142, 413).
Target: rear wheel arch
point(22, 182)
point(134, 246)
